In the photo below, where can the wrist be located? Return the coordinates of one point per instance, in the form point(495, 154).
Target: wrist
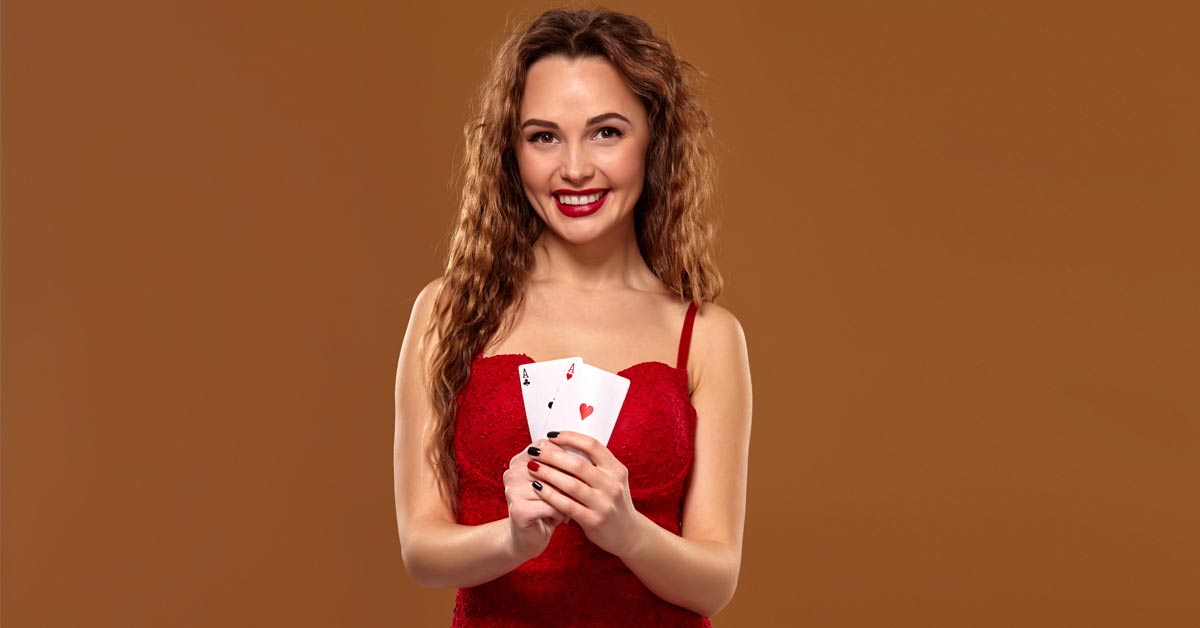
point(512, 547)
point(642, 536)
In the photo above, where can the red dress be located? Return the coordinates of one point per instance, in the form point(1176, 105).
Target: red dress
point(574, 582)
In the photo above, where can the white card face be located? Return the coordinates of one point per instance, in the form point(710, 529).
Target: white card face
point(589, 403)
point(540, 382)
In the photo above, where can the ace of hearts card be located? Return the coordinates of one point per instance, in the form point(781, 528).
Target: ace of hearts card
point(588, 403)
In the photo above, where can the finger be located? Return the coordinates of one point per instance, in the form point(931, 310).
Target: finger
point(543, 452)
point(553, 453)
point(573, 486)
point(569, 507)
point(574, 465)
point(524, 455)
point(601, 456)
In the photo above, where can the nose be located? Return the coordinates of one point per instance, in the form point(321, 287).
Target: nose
point(576, 163)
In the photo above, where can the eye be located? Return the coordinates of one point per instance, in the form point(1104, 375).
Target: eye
point(541, 137)
point(608, 132)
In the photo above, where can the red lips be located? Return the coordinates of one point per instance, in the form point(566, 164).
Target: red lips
point(579, 211)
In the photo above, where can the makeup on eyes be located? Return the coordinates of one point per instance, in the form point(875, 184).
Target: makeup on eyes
point(617, 133)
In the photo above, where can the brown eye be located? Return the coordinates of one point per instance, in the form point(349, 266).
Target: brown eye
point(543, 137)
point(608, 133)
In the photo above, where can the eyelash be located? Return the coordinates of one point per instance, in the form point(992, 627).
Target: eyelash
point(533, 139)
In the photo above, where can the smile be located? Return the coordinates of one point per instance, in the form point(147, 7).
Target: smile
point(580, 200)
point(579, 203)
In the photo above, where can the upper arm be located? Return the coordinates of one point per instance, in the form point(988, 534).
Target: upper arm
point(417, 492)
point(715, 503)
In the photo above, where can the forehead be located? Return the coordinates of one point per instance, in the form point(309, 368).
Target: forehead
point(570, 91)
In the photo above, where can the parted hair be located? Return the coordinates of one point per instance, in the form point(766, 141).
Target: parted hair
point(492, 245)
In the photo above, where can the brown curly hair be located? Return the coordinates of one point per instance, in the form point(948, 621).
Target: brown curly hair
point(491, 249)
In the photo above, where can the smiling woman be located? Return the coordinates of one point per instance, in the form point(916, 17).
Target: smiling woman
point(601, 158)
point(581, 232)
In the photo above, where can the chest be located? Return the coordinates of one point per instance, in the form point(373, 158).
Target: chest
point(653, 436)
point(609, 332)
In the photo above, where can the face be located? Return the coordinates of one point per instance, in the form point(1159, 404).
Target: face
point(581, 147)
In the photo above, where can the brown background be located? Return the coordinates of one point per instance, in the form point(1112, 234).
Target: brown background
point(961, 242)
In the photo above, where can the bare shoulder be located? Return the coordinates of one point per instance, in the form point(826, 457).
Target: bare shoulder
point(422, 306)
point(418, 321)
point(717, 333)
point(718, 343)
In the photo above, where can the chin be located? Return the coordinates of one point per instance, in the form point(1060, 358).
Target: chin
point(580, 234)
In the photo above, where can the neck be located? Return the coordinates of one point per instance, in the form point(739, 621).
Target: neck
point(611, 262)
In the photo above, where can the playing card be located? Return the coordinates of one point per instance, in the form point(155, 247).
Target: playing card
point(588, 403)
point(540, 382)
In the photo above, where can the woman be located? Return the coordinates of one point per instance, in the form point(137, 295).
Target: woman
point(580, 233)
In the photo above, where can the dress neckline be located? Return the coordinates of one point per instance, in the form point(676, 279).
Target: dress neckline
point(682, 371)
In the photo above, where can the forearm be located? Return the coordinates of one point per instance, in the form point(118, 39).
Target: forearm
point(440, 554)
point(697, 575)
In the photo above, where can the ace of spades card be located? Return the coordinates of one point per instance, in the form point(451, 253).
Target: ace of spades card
point(588, 403)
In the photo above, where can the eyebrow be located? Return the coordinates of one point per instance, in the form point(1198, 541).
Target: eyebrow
point(592, 120)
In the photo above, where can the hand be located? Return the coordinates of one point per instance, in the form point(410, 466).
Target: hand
point(595, 496)
point(531, 520)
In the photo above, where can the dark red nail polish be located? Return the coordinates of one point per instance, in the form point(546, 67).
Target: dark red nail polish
point(533, 466)
point(537, 485)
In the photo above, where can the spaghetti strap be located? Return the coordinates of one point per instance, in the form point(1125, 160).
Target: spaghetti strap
point(685, 338)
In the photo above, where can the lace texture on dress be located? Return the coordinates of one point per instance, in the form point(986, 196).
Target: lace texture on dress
point(573, 582)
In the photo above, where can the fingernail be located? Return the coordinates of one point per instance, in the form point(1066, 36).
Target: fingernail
point(534, 451)
point(533, 466)
point(551, 434)
point(537, 485)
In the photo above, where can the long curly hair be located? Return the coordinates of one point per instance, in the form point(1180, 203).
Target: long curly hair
point(492, 246)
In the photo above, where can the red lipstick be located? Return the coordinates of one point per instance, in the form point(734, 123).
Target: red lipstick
point(579, 211)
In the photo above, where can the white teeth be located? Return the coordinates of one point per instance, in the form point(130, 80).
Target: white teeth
point(580, 200)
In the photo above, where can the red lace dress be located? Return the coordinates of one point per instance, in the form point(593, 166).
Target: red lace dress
point(574, 582)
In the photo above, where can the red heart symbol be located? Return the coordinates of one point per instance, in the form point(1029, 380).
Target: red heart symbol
point(570, 375)
point(584, 411)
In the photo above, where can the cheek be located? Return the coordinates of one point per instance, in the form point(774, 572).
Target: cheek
point(534, 168)
point(628, 167)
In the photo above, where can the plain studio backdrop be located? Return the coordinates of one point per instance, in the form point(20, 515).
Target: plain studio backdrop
point(961, 241)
